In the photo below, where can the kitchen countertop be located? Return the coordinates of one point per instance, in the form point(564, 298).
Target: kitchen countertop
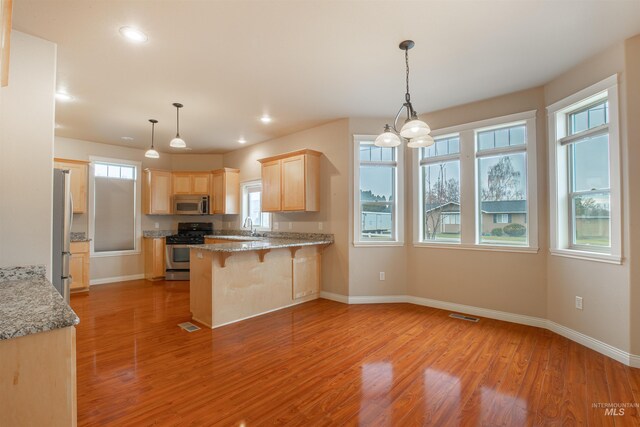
point(251, 243)
point(79, 236)
point(155, 234)
point(30, 304)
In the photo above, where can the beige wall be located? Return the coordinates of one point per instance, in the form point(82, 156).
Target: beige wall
point(511, 282)
point(603, 287)
point(330, 139)
point(27, 111)
point(632, 154)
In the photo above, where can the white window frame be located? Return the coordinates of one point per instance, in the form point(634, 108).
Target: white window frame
point(559, 237)
point(419, 226)
point(136, 211)
point(245, 208)
point(398, 230)
point(468, 184)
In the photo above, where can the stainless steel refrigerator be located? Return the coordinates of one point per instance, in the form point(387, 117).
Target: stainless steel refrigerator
point(62, 219)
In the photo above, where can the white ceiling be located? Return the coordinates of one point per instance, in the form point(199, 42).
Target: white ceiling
point(302, 62)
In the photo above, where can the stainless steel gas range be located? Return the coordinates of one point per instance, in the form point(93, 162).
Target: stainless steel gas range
point(177, 253)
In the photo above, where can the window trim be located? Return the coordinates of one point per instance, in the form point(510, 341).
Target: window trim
point(399, 192)
point(137, 250)
point(243, 186)
point(468, 186)
point(557, 114)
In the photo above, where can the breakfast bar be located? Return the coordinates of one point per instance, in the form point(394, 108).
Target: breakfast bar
point(238, 277)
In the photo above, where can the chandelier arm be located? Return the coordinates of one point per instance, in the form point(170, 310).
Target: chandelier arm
point(395, 121)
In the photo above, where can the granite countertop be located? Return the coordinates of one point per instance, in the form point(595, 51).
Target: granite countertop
point(30, 304)
point(252, 243)
point(155, 234)
point(79, 236)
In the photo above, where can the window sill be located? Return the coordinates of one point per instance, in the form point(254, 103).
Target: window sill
point(587, 256)
point(377, 244)
point(114, 253)
point(489, 248)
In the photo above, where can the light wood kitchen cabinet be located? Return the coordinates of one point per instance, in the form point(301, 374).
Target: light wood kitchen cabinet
point(291, 182)
point(79, 179)
point(191, 183)
point(156, 194)
point(79, 266)
point(225, 191)
point(154, 253)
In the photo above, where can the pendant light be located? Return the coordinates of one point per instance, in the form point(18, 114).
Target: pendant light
point(414, 130)
point(151, 152)
point(178, 142)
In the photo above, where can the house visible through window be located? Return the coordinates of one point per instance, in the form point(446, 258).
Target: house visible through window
point(502, 185)
point(378, 218)
point(252, 205)
point(440, 183)
point(114, 212)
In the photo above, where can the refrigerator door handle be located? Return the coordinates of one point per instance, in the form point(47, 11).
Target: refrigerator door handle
point(65, 264)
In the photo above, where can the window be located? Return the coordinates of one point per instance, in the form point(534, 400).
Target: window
point(378, 208)
point(476, 186)
point(585, 204)
point(115, 223)
point(502, 185)
point(252, 205)
point(440, 183)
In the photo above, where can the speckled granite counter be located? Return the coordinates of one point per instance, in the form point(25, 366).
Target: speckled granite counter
point(79, 236)
point(29, 303)
point(154, 234)
point(240, 243)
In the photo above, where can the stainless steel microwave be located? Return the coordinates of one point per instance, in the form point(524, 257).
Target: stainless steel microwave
point(190, 205)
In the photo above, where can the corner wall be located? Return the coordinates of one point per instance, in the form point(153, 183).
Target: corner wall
point(27, 121)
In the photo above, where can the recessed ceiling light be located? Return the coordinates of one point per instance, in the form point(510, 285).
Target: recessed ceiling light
point(242, 140)
point(61, 96)
point(133, 34)
point(126, 138)
point(265, 119)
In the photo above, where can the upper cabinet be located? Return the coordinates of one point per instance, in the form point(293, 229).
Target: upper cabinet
point(191, 183)
point(225, 191)
point(291, 182)
point(79, 178)
point(156, 192)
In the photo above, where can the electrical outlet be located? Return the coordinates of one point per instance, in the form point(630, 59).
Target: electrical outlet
point(157, 225)
point(382, 276)
point(199, 255)
point(579, 303)
point(320, 226)
point(290, 225)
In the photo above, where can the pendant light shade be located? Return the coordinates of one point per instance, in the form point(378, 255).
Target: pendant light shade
point(421, 141)
point(151, 152)
point(415, 131)
point(387, 139)
point(178, 142)
point(414, 128)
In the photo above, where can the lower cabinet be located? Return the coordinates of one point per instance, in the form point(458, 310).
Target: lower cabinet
point(154, 252)
point(79, 266)
point(306, 272)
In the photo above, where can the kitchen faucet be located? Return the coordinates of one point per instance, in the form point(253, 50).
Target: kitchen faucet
point(248, 223)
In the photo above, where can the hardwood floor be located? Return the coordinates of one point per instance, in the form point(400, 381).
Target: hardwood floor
point(326, 363)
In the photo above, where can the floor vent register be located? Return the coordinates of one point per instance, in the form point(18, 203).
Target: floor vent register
point(188, 326)
point(463, 317)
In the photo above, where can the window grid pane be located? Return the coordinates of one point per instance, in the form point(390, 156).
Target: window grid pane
point(589, 118)
point(503, 137)
point(442, 147)
point(377, 193)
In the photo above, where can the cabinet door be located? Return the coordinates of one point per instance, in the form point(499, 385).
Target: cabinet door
point(78, 184)
point(158, 257)
point(293, 184)
point(160, 193)
point(181, 183)
point(76, 269)
point(217, 193)
point(200, 183)
point(271, 190)
point(306, 273)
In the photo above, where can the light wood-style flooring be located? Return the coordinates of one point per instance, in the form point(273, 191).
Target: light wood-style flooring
point(325, 363)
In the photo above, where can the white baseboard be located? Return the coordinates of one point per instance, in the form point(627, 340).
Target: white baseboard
point(106, 280)
point(589, 342)
point(334, 297)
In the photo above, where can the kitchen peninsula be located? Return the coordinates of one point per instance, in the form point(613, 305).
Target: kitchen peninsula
point(237, 277)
